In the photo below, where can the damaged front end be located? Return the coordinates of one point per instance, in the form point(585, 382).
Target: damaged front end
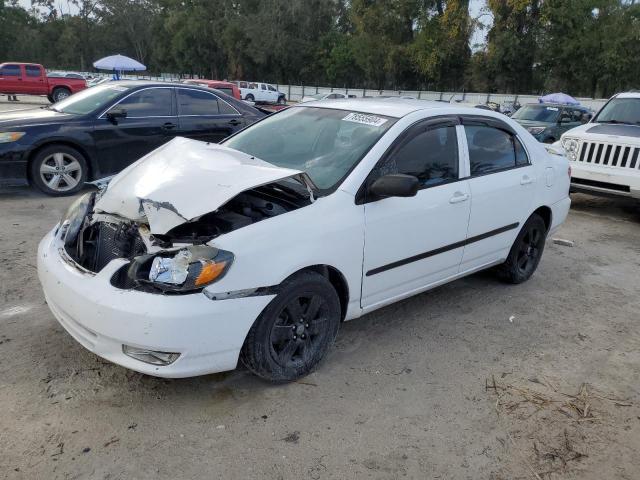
point(179, 260)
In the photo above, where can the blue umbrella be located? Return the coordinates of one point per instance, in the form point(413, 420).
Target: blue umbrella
point(562, 98)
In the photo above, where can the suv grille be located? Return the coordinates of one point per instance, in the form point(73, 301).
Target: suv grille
point(602, 153)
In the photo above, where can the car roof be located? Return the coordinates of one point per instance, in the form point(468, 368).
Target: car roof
point(389, 106)
point(195, 81)
point(628, 95)
point(151, 83)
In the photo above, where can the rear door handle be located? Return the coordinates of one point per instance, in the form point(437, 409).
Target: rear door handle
point(169, 126)
point(459, 197)
point(234, 122)
point(526, 180)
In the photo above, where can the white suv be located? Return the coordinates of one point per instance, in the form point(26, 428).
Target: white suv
point(260, 247)
point(604, 153)
point(260, 92)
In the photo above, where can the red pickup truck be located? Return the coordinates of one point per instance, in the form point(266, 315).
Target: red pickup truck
point(31, 79)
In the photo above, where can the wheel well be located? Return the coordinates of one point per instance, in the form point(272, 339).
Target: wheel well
point(545, 213)
point(35, 152)
point(60, 87)
point(337, 280)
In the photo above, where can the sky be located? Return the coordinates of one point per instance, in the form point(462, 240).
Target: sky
point(475, 9)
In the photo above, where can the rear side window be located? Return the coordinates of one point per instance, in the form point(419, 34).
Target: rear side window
point(197, 102)
point(32, 70)
point(151, 102)
point(10, 70)
point(492, 150)
point(431, 154)
point(227, 90)
point(263, 86)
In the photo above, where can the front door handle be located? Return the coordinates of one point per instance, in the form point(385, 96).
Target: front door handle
point(169, 126)
point(234, 122)
point(459, 197)
point(526, 180)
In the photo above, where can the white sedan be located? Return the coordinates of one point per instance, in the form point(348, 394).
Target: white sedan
point(199, 254)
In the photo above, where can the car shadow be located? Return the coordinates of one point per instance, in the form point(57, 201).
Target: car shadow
point(620, 208)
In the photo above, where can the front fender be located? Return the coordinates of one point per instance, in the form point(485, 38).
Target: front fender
point(328, 232)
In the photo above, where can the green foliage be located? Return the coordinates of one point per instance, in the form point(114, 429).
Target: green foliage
point(583, 47)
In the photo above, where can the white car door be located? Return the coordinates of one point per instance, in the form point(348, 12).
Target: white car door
point(273, 94)
point(411, 243)
point(502, 182)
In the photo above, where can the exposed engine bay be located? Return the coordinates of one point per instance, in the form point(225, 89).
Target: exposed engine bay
point(94, 238)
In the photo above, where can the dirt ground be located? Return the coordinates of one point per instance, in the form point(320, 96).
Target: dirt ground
point(473, 380)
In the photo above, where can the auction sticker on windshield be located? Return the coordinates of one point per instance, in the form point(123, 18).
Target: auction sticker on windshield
point(365, 119)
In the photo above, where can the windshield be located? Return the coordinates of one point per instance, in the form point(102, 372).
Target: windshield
point(620, 110)
point(537, 113)
point(324, 143)
point(90, 99)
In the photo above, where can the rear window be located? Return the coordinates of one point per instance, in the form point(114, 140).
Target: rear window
point(227, 90)
point(10, 70)
point(32, 70)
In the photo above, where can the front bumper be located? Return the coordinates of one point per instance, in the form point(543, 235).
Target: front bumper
point(208, 334)
point(602, 179)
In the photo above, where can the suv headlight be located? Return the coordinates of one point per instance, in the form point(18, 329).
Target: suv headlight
point(186, 270)
point(536, 130)
point(570, 146)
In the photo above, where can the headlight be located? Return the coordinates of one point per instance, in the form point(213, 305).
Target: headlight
point(8, 137)
point(570, 146)
point(187, 270)
point(536, 130)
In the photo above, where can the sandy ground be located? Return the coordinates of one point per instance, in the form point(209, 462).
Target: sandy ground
point(473, 380)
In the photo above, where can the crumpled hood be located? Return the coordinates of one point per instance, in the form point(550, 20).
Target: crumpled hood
point(183, 180)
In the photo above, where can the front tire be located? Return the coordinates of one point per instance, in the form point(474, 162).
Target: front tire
point(295, 331)
point(282, 100)
point(59, 170)
point(526, 252)
point(59, 94)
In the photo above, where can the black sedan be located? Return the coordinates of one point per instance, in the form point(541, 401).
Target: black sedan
point(101, 130)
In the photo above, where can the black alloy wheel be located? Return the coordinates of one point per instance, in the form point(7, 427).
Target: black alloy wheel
point(295, 331)
point(526, 252)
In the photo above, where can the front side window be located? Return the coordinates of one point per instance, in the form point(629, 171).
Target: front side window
point(197, 102)
point(325, 143)
point(272, 88)
point(430, 154)
point(150, 102)
point(10, 70)
point(620, 110)
point(492, 150)
point(32, 70)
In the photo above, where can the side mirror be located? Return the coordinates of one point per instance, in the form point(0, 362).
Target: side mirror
point(115, 113)
point(585, 118)
point(395, 185)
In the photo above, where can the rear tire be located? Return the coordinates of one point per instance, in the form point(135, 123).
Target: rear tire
point(60, 93)
point(250, 98)
point(59, 170)
point(526, 252)
point(295, 331)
